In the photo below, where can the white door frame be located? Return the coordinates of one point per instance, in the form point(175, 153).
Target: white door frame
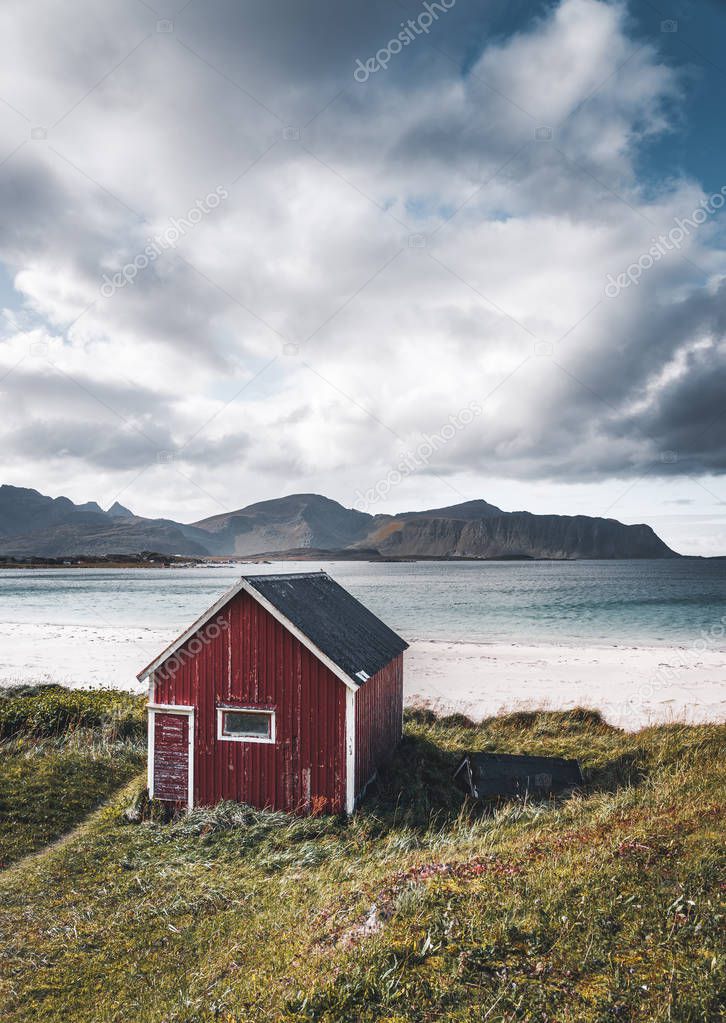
point(170, 708)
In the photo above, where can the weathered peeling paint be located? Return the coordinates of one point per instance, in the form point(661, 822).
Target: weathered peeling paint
point(253, 661)
point(171, 757)
point(378, 720)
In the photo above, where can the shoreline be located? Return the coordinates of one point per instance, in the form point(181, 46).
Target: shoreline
point(632, 686)
point(159, 561)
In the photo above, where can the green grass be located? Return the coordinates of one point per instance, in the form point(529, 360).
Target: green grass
point(604, 907)
point(52, 710)
point(62, 754)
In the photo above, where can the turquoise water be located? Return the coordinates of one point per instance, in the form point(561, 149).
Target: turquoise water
point(595, 602)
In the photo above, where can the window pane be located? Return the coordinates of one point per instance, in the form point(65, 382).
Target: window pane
point(247, 723)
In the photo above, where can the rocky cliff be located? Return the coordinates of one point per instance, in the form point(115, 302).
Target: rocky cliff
point(520, 534)
point(34, 524)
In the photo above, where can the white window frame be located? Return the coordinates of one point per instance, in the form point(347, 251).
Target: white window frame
point(268, 740)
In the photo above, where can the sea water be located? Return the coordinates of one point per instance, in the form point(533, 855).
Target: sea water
point(633, 603)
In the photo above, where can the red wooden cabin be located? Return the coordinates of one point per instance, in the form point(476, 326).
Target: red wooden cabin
point(286, 694)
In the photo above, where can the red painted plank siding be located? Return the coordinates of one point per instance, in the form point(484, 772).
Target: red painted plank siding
point(378, 720)
point(245, 657)
point(171, 757)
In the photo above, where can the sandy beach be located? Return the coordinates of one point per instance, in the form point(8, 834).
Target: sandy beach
point(632, 686)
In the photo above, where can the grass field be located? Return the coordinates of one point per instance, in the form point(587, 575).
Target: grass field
point(62, 754)
point(604, 907)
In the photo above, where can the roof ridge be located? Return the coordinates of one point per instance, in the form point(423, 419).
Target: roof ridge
point(288, 575)
point(339, 629)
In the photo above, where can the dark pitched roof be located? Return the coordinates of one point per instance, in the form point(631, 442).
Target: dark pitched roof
point(338, 624)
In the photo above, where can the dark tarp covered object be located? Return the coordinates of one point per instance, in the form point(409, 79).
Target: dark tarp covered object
point(495, 775)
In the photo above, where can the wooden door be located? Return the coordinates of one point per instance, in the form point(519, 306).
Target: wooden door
point(171, 757)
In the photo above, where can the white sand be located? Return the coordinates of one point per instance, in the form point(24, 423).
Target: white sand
point(631, 686)
point(78, 655)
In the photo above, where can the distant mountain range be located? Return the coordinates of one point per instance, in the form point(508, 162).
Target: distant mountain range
point(33, 525)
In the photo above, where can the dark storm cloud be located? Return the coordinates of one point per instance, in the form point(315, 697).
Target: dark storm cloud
point(688, 417)
point(112, 446)
point(107, 446)
point(412, 235)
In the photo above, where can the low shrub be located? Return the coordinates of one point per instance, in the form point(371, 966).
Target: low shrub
point(457, 721)
point(552, 722)
point(53, 710)
point(419, 716)
point(27, 689)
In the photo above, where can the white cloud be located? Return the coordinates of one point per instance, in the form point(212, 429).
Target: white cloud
point(314, 239)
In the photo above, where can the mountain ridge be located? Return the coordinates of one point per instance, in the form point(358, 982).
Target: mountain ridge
point(33, 524)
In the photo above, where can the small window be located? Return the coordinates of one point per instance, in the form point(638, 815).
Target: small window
point(245, 724)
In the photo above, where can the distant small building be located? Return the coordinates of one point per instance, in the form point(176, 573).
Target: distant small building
point(286, 694)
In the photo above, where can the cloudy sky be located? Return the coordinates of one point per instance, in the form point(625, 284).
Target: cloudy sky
point(396, 254)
